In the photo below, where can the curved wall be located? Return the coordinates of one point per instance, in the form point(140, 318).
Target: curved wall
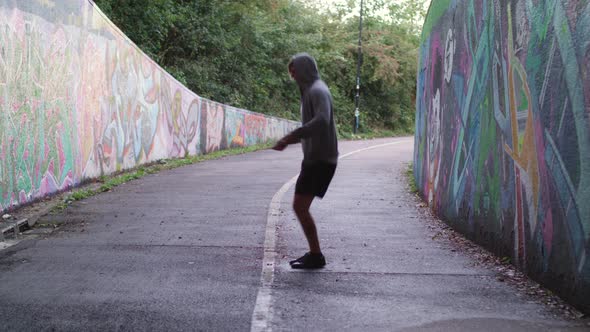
point(502, 148)
point(78, 100)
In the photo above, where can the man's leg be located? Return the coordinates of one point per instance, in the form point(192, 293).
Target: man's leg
point(301, 205)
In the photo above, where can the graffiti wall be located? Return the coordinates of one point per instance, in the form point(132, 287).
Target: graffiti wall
point(502, 148)
point(79, 100)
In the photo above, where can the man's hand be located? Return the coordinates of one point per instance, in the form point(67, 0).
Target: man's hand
point(280, 145)
point(283, 142)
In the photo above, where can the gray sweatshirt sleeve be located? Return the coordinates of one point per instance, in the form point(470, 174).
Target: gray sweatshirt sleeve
point(321, 104)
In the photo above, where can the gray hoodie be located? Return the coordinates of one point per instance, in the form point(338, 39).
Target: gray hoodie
point(318, 130)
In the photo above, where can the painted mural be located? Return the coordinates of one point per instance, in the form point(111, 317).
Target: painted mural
point(502, 148)
point(79, 100)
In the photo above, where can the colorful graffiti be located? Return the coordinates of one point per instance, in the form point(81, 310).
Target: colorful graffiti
point(502, 148)
point(79, 100)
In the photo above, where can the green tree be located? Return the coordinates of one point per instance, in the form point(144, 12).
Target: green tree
point(236, 52)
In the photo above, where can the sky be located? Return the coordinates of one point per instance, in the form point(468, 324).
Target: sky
point(333, 3)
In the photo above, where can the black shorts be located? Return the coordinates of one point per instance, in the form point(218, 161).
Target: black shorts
point(315, 178)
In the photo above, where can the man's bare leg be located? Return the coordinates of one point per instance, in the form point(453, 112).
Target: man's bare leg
point(301, 205)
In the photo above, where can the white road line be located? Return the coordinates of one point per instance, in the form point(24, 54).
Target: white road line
point(262, 315)
point(263, 310)
point(374, 147)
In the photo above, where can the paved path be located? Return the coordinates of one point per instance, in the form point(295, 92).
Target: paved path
point(195, 248)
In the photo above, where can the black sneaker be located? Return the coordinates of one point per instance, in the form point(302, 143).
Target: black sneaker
point(309, 261)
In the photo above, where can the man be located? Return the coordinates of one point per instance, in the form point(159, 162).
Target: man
point(320, 151)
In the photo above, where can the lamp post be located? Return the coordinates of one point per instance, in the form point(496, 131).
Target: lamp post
point(358, 73)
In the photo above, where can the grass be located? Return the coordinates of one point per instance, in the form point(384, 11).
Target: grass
point(49, 225)
point(411, 178)
point(108, 182)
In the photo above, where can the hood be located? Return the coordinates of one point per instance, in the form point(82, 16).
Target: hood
point(306, 69)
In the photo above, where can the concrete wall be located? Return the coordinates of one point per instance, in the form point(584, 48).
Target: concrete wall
point(502, 148)
point(79, 100)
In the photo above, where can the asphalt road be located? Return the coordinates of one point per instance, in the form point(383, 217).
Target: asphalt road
point(192, 249)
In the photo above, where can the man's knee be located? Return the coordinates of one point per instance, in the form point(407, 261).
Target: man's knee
point(299, 208)
point(301, 205)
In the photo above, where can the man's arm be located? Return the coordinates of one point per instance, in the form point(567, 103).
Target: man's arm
point(320, 100)
point(283, 142)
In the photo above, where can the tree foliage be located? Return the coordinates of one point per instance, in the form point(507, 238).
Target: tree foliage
point(236, 52)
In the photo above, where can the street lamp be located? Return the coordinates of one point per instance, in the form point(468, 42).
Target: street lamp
point(358, 73)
